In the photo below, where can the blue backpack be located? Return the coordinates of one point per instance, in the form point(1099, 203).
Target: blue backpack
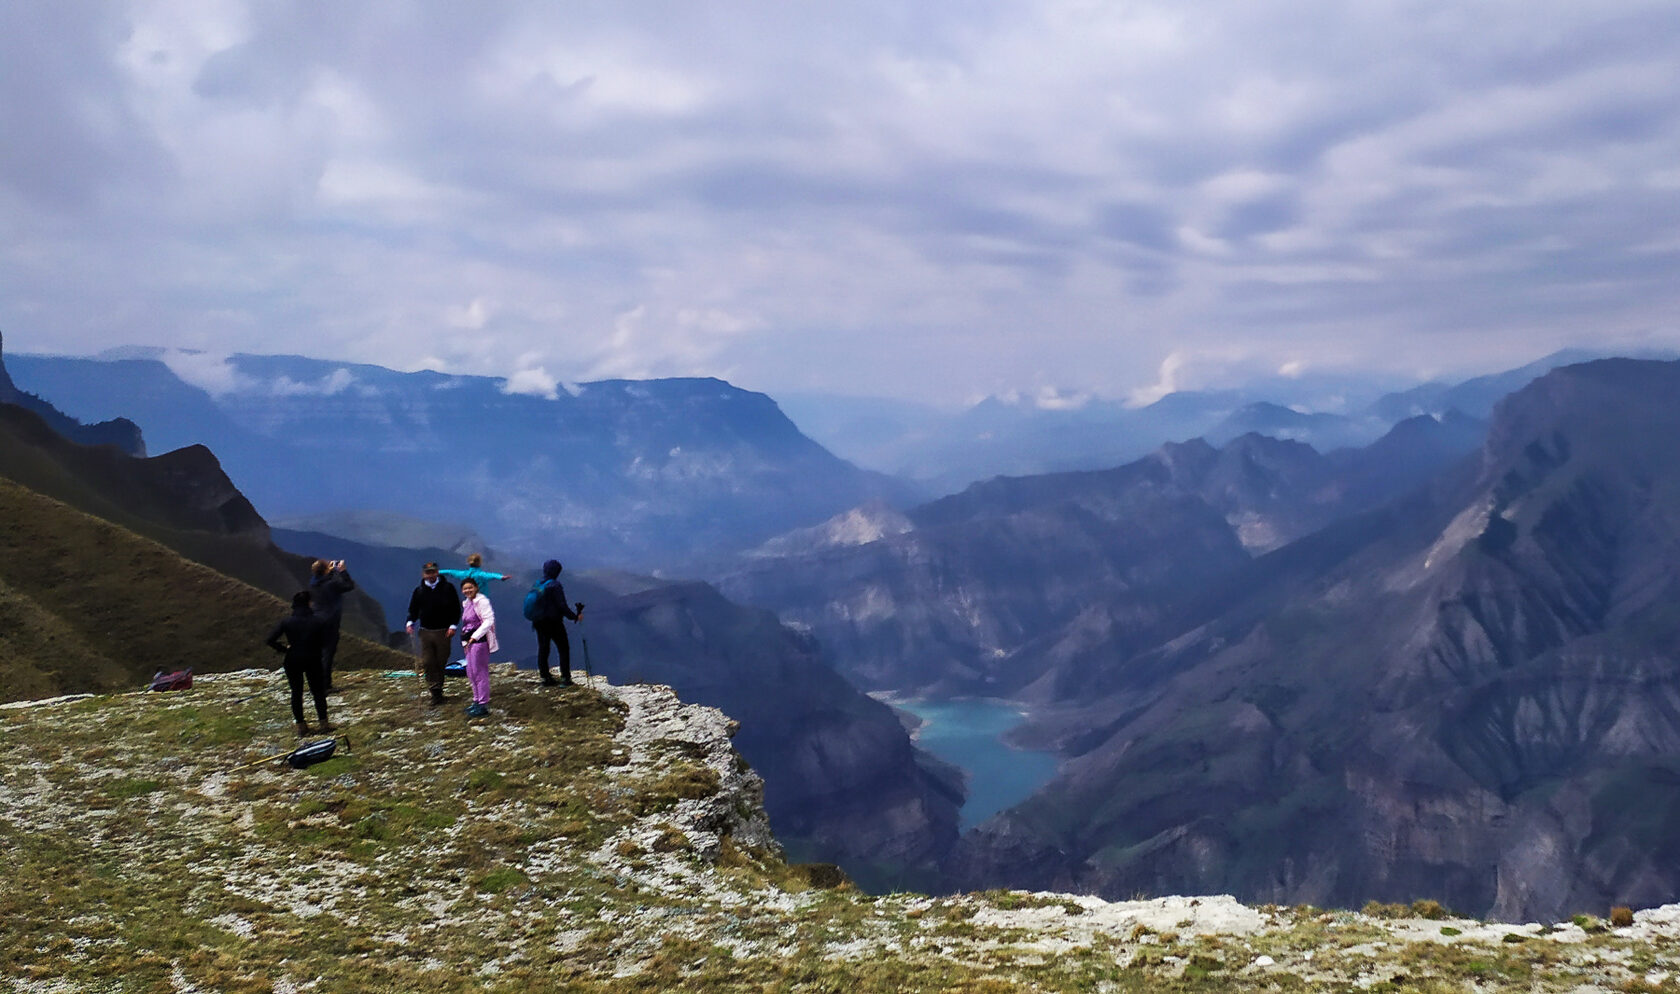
point(537, 605)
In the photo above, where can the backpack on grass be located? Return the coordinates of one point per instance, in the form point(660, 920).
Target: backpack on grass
point(309, 755)
point(178, 680)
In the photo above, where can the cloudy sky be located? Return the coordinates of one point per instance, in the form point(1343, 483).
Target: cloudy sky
point(938, 200)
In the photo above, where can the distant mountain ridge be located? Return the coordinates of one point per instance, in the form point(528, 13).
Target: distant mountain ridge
point(996, 588)
point(946, 450)
point(119, 432)
point(630, 473)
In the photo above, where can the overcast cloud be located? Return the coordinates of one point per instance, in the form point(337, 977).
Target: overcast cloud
point(935, 201)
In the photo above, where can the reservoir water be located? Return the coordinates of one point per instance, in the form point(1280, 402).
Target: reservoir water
point(969, 734)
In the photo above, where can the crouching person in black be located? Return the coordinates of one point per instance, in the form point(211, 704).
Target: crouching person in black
point(435, 609)
point(304, 635)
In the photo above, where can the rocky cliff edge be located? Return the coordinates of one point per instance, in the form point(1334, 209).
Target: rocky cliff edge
point(604, 839)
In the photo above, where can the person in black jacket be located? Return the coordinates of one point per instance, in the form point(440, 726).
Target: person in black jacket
point(302, 632)
point(550, 625)
point(328, 583)
point(436, 609)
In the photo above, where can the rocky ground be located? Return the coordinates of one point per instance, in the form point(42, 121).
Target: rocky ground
point(597, 839)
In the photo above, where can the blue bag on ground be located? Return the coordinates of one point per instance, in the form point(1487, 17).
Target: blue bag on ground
point(309, 755)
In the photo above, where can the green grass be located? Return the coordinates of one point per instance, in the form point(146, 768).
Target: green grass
point(447, 855)
point(70, 621)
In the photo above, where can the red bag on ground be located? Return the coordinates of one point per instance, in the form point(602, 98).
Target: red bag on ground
point(178, 680)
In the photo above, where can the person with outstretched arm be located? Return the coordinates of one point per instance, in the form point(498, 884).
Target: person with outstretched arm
point(435, 610)
point(549, 621)
point(302, 632)
point(475, 572)
point(328, 583)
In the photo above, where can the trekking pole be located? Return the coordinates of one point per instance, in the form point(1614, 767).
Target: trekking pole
point(414, 647)
point(588, 671)
point(316, 746)
point(265, 759)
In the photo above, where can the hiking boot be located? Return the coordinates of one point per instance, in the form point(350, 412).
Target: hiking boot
point(437, 698)
point(327, 726)
point(302, 728)
point(567, 682)
point(548, 681)
point(476, 710)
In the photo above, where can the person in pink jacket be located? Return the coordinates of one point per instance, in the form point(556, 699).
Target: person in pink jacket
point(478, 639)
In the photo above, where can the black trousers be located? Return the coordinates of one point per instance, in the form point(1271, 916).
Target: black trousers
point(298, 673)
point(555, 632)
point(329, 647)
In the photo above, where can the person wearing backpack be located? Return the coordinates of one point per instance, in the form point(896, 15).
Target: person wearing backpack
point(303, 632)
point(546, 609)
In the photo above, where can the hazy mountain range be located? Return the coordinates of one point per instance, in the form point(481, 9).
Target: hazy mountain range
point(993, 589)
point(1470, 692)
point(118, 431)
point(1441, 665)
point(640, 474)
point(943, 450)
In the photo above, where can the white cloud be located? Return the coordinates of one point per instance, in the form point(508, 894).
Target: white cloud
point(1010, 194)
point(1166, 382)
point(474, 315)
point(333, 383)
point(532, 382)
point(214, 374)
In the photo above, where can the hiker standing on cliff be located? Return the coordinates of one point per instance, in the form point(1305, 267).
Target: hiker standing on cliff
point(303, 631)
point(547, 610)
point(475, 572)
point(478, 641)
point(328, 583)
point(435, 609)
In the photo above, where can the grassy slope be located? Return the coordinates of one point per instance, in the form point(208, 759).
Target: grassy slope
point(147, 496)
point(86, 605)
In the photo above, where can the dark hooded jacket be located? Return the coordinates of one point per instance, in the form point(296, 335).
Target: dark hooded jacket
point(327, 591)
point(304, 634)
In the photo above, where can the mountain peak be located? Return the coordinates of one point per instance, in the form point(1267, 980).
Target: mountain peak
point(861, 525)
